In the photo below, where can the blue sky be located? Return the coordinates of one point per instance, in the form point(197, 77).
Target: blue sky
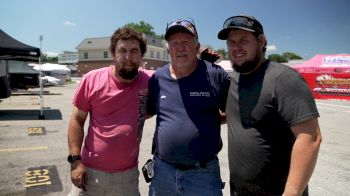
point(306, 27)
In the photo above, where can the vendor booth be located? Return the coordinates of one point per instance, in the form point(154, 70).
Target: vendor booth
point(11, 51)
point(328, 76)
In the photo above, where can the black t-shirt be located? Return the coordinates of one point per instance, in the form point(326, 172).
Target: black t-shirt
point(261, 108)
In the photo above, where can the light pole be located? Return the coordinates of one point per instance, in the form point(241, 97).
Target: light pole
point(41, 115)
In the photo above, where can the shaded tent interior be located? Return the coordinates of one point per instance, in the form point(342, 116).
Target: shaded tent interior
point(13, 50)
point(22, 76)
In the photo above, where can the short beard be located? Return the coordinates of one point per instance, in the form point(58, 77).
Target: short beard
point(128, 75)
point(248, 66)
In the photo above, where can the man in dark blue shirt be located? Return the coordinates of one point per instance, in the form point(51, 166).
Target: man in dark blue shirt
point(188, 96)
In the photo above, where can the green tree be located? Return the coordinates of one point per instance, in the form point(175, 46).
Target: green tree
point(277, 58)
point(290, 55)
point(47, 59)
point(284, 57)
point(145, 28)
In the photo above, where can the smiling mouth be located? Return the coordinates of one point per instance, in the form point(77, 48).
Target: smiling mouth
point(182, 56)
point(240, 55)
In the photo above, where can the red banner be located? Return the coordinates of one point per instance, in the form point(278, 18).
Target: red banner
point(329, 85)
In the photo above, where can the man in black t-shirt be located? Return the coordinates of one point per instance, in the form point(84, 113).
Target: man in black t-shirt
point(273, 131)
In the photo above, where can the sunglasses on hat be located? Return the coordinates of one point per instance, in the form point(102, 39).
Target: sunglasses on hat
point(187, 24)
point(247, 23)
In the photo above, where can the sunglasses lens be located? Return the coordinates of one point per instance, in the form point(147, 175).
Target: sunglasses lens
point(239, 21)
point(185, 23)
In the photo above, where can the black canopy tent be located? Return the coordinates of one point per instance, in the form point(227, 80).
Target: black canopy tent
point(12, 49)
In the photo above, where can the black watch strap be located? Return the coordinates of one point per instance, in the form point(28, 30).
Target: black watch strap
point(72, 158)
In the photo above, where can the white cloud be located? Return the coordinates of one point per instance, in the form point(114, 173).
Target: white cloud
point(51, 54)
point(69, 23)
point(270, 48)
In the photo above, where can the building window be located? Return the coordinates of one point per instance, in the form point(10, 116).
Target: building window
point(105, 55)
point(158, 55)
point(151, 54)
point(165, 55)
point(86, 55)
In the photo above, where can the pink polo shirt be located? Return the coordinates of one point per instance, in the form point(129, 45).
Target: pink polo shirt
point(116, 118)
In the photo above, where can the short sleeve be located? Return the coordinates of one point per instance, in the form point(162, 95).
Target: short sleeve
point(81, 96)
point(295, 102)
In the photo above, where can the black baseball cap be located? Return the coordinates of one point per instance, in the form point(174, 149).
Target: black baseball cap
point(180, 24)
point(247, 23)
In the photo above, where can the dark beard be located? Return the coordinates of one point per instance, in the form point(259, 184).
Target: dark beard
point(127, 75)
point(247, 66)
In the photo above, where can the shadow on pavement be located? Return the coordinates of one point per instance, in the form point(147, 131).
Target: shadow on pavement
point(49, 114)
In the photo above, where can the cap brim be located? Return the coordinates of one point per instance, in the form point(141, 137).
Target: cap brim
point(223, 34)
point(175, 29)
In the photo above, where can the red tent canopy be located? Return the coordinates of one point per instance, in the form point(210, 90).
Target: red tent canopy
point(328, 76)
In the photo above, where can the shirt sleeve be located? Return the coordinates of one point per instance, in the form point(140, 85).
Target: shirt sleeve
point(225, 85)
point(295, 102)
point(151, 102)
point(81, 96)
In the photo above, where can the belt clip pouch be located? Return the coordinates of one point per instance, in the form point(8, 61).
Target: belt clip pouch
point(147, 170)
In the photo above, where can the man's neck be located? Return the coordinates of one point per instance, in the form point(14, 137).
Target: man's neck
point(262, 60)
point(181, 72)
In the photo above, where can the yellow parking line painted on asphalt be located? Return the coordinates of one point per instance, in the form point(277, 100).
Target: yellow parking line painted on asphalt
point(23, 149)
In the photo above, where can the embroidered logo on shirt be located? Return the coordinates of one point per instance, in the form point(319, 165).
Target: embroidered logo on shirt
point(199, 94)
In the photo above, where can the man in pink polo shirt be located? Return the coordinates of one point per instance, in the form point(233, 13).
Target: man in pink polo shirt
point(114, 97)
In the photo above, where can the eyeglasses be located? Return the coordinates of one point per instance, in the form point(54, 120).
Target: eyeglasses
point(187, 23)
point(245, 22)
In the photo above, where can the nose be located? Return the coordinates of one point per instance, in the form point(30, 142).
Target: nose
point(127, 55)
point(235, 46)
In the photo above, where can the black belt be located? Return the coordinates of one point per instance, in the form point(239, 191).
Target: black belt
point(183, 167)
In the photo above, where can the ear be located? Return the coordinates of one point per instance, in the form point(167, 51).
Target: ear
point(198, 46)
point(262, 41)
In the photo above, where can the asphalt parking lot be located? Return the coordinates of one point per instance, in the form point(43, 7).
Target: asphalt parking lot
point(33, 152)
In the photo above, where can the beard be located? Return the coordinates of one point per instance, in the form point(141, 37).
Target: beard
point(247, 66)
point(128, 74)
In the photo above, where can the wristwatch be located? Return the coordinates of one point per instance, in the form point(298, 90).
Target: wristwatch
point(72, 158)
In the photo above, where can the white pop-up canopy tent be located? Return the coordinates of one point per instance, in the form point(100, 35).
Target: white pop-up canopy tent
point(58, 71)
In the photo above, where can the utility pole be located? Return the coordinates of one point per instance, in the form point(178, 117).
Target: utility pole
point(41, 115)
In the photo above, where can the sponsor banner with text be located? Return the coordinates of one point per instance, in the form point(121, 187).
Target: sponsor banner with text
point(329, 85)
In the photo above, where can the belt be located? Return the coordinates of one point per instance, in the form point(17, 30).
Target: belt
point(183, 167)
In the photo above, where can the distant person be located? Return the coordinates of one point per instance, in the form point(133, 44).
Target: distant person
point(187, 96)
point(106, 163)
point(273, 131)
